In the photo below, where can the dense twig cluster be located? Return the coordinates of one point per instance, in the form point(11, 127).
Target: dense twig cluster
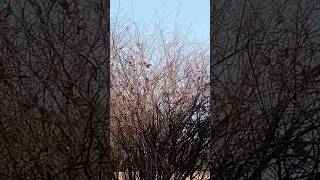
point(54, 91)
point(264, 94)
point(265, 97)
point(159, 100)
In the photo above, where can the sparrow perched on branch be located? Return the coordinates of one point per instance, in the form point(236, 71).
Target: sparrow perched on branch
point(148, 65)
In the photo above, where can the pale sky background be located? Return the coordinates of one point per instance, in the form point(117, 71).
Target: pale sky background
point(192, 13)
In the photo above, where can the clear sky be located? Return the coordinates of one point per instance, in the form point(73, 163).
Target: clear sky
point(188, 12)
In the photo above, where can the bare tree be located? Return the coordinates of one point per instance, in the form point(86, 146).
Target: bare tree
point(54, 90)
point(265, 90)
point(159, 103)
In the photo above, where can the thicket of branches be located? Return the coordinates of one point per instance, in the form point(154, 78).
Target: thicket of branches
point(264, 93)
point(54, 90)
point(159, 103)
point(265, 79)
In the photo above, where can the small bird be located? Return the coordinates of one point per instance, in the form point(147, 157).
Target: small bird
point(265, 60)
point(81, 25)
point(283, 52)
point(65, 6)
point(315, 71)
point(148, 65)
point(279, 18)
point(68, 91)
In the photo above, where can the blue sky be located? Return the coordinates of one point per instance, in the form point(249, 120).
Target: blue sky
point(192, 13)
